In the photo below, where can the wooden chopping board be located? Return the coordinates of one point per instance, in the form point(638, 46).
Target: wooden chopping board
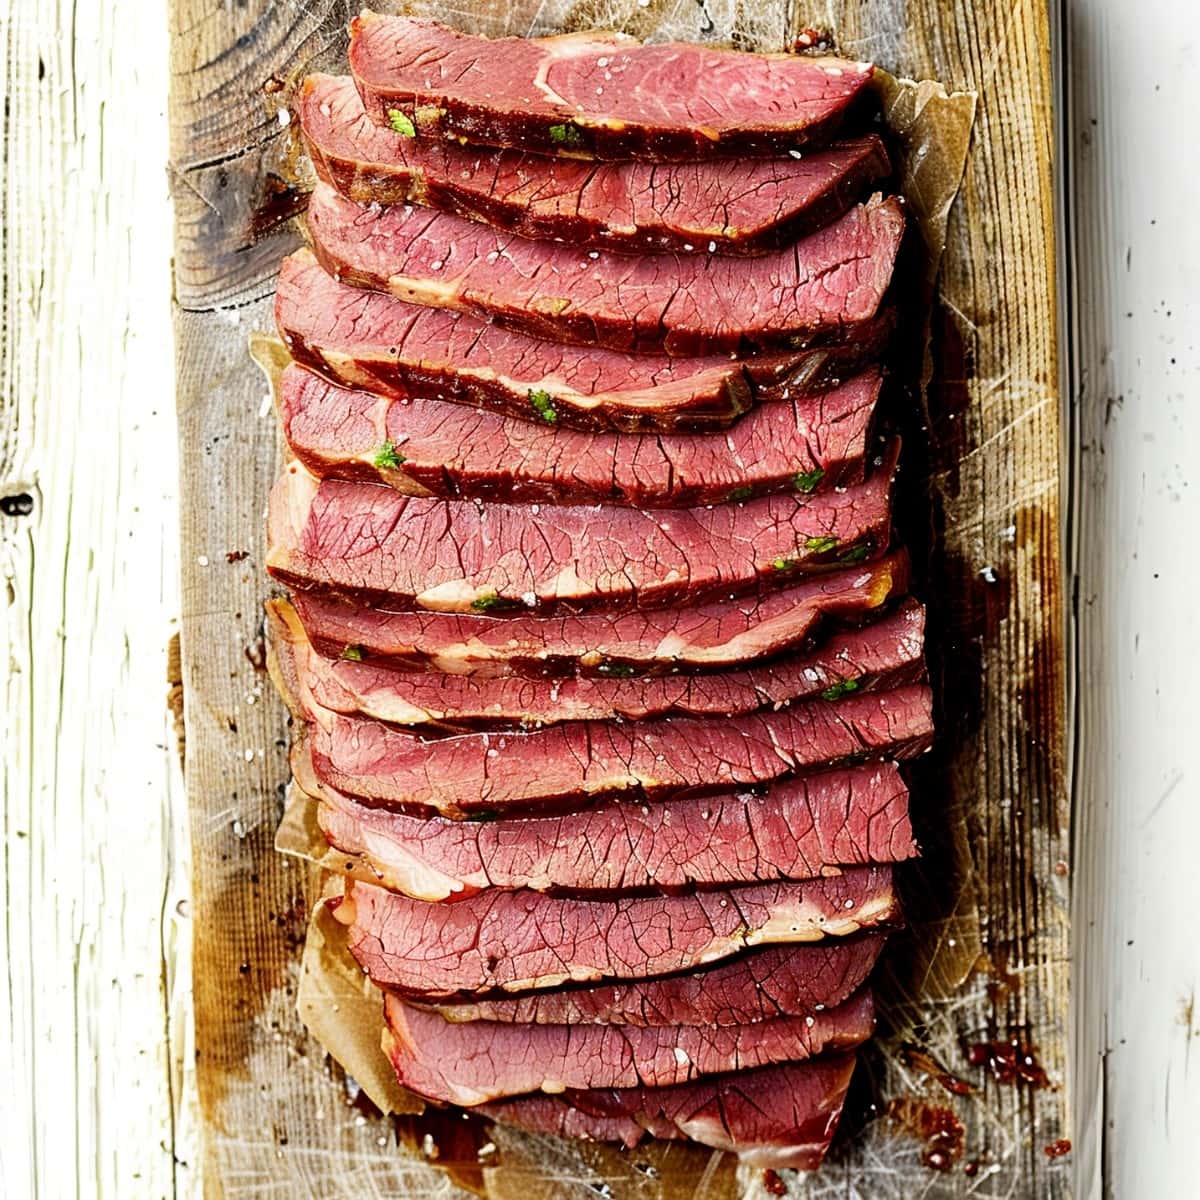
point(985, 964)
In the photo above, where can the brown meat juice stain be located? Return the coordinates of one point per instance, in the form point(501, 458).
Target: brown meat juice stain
point(939, 1129)
point(451, 1140)
point(1011, 1061)
point(279, 202)
point(922, 1060)
point(773, 1185)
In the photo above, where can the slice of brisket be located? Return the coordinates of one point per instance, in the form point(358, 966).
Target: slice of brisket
point(374, 341)
point(423, 447)
point(823, 287)
point(376, 545)
point(742, 206)
point(689, 637)
point(516, 771)
point(885, 654)
point(777, 981)
point(601, 95)
point(773, 1117)
point(500, 941)
point(473, 1062)
point(799, 829)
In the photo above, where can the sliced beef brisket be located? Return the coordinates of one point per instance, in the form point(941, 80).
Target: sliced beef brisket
point(688, 637)
point(773, 1117)
point(824, 287)
point(374, 341)
point(726, 207)
point(475, 1062)
point(776, 981)
point(492, 773)
point(379, 546)
point(501, 941)
point(517, 771)
point(600, 657)
point(884, 654)
point(805, 444)
point(601, 95)
point(799, 829)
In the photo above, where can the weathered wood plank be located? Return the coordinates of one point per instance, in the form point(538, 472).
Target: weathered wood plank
point(995, 591)
point(1000, 965)
point(277, 1119)
point(91, 804)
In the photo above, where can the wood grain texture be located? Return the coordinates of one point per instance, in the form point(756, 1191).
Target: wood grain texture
point(1131, 191)
point(987, 957)
point(91, 805)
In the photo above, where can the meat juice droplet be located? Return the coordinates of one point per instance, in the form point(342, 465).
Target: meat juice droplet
point(937, 1126)
point(773, 1185)
point(1010, 1061)
point(1058, 1149)
point(921, 1060)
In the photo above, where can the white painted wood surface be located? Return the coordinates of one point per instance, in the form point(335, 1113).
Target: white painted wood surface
point(90, 809)
point(93, 1009)
point(1133, 191)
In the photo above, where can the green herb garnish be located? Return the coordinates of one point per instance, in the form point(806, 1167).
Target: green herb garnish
point(401, 123)
point(786, 564)
point(843, 687)
point(490, 602)
point(617, 670)
point(806, 481)
point(741, 493)
point(566, 135)
point(353, 653)
point(387, 457)
point(821, 545)
point(543, 405)
point(855, 554)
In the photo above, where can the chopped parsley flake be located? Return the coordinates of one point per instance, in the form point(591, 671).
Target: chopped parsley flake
point(785, 564)
point(843, 687)
point(490, 602)
point(617, 670)
point(821, 545)
point(566, 135)
point(806, 481)
point(401, 123)
point(741, 493)
point(855, 554)
point(543, 405)
point(353, 654)
point(387, 457)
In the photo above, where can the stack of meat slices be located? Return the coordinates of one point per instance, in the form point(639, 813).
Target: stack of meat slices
point(598, 641)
